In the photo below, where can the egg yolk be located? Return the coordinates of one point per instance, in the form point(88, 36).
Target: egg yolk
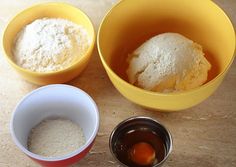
point(142, 154)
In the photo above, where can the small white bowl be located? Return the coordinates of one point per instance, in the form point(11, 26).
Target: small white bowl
point(55, 101)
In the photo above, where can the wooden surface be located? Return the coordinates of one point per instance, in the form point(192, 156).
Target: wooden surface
point(204, 136)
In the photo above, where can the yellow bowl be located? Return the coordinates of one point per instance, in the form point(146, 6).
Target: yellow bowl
point(131, 22)
point(50, 10)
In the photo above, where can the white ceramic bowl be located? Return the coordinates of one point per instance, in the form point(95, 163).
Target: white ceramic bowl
point(52, 101)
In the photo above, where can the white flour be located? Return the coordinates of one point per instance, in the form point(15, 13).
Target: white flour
point(50, 44)
point(55, 137)
point(168, 62)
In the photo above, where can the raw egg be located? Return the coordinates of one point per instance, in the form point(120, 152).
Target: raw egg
point(142, 153)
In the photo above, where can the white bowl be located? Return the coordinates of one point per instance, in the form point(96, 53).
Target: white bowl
point(55, 101)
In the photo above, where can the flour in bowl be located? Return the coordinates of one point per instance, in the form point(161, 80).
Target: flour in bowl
point(50, 44)
point(168, 62)
point(55, 137)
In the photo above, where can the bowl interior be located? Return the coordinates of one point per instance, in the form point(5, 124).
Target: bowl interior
point(140, 129)
point(55, 101)
point(132, 22)
point(49, 10)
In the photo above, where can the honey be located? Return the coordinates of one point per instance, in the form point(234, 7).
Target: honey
point(140, 148)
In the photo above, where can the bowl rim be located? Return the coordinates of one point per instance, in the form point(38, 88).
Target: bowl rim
point(119, 125)
point(152, 93)
point(41, 5)
point(68, 155)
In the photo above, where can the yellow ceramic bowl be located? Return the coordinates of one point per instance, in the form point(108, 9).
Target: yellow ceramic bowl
point(132, 22)
point(50, 10)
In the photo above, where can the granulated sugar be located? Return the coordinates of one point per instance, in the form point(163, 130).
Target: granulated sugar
point(50, 44)
point(55, 137)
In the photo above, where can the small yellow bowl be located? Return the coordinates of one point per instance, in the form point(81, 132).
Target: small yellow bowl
point(50, 10)
point(132, 22)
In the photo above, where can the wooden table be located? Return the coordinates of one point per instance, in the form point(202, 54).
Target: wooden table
point(204, 136)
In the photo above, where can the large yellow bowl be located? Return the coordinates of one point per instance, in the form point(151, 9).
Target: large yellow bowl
point(131, 22)
point(50, 10)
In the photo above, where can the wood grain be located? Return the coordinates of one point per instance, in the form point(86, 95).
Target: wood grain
point(204, 135)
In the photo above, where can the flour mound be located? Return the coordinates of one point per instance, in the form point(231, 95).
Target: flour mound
point(50, 44)
point(168, 62)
